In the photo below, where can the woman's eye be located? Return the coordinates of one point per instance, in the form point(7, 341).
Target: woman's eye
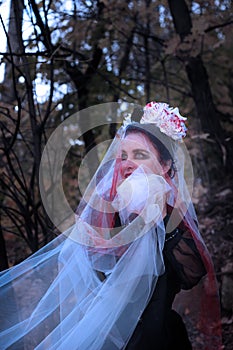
point(140, 155)
point(123, 156)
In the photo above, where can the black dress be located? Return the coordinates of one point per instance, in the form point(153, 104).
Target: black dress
point(160, 327)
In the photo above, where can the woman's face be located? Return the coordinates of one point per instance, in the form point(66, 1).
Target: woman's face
point(137, 150)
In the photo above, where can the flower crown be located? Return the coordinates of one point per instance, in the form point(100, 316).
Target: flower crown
point(166, 118)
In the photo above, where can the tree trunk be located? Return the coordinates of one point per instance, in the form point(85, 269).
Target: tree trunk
point(206, 111)
point(197, 74)
point(202, 96)
point(81, 82)
point(13, 48)
point(181, 17)
point(3, 254)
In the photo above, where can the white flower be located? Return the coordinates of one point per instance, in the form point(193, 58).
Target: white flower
point(127, 120)
point(167, 119)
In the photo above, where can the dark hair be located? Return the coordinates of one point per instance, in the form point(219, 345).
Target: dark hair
point(162, 143)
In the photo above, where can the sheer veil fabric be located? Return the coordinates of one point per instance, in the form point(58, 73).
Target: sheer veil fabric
point(88, 288)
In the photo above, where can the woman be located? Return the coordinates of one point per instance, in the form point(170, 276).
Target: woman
point(110, 281)
point(160, 324)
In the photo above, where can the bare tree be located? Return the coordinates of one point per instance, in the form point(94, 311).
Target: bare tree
point(197, 74)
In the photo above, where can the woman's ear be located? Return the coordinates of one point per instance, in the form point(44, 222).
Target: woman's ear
point(166, 166)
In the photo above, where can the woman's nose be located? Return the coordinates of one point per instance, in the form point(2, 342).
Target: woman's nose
point(127, 167)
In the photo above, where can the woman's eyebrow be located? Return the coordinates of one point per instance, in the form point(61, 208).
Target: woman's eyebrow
point(140, 150)
point(137, 150)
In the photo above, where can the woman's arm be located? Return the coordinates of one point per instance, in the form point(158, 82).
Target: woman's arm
point(181, 252)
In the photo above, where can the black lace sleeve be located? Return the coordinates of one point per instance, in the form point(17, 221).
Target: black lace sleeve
point(181, 253)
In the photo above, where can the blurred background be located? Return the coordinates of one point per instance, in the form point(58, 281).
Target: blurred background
point(60, 57)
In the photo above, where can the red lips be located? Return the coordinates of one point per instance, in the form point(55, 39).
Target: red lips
point(127, 175)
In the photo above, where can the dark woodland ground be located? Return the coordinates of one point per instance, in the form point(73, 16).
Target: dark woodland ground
point(215, 214)
point(214, 210)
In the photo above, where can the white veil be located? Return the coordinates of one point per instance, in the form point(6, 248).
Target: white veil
point(88, 288)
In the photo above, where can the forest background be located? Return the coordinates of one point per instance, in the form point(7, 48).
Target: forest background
point(64, 56)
